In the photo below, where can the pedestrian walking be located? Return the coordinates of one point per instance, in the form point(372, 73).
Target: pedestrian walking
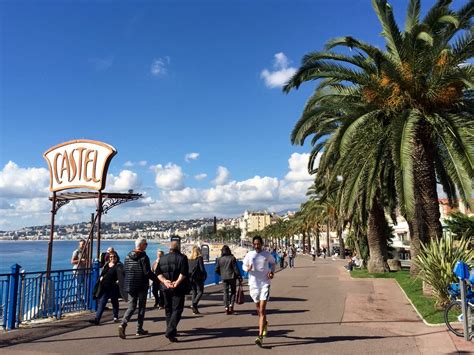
point(313, 254)
point(282, 258)
point(110, 287)
point(291, 255)
point(197, 276)
point(155, 288)
point(324, 253)
point(261, 267)
point(173, 273)
point(104, 256)
point(137, 276)
point(226, 267)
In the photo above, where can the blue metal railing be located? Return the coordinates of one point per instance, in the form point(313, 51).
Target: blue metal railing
point(26, 296)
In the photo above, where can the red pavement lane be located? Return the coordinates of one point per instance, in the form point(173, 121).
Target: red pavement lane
point(314, 309)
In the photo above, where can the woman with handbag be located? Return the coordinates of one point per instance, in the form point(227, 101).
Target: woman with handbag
point(155, 288)
point(226, 267)
point(197, 275)
point(109, 286)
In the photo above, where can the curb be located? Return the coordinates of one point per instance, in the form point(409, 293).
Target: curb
point(416, 310)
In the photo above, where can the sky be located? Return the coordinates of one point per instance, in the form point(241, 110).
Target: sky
point(188, 93)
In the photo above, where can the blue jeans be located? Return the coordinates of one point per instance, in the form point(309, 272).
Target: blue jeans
point(111, 294)
point(197, 289)
point(140, 298)
point(292, 261)
point(80, 276)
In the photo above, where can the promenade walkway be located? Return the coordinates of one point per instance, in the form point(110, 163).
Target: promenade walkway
point(314, 309)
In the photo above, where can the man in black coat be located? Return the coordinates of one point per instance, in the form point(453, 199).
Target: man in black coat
point(137, 273)
point(173, 273)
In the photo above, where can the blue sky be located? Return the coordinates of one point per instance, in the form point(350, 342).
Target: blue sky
point(160, 80)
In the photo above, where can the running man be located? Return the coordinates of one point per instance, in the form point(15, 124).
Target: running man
point(260, 265)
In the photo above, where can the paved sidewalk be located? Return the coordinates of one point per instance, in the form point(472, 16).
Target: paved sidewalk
point(314, 309)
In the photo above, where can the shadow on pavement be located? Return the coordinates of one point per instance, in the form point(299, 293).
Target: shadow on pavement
point(207, 334)
point(248, 299)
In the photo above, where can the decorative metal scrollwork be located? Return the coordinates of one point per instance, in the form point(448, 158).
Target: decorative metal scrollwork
point(59, 204)
point(110, 203)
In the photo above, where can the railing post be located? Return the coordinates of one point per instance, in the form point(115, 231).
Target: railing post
point(13, 296)
point(60, 296)
point(216, 276)
point(94, 276)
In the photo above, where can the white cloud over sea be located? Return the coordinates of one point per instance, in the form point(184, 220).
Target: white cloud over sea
point(25, 194)
point(169, 176)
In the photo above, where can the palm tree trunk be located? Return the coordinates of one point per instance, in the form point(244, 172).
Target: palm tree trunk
point(309, 241)
point(357, 244)
point(425, 224)
point(341, 243)
point(328, 227)
point(304, 242)
point(376, 239)
point(318, 246)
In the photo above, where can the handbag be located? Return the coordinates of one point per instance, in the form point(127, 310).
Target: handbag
point(97, 290)
point(240, 297)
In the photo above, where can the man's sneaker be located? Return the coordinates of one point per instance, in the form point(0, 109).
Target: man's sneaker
point(264, 332)
point(121, 331)
point(116, 320)
point(93, 321)
point(141, 332)
point(259, 341)
point(195, 310)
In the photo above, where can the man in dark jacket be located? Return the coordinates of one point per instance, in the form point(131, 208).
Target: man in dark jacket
point(173, 273)
point(137, 274)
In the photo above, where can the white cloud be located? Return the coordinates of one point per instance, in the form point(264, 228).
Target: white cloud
point(103, 63)
point(158, 66)
point(172, 200)
point(130, 163)
point(169, 177)
point(5, 205)
point(222, 177)
point(126, 180)
point(200, 176)
point(23, 182)
point(191, 156)
point(281, 74)
point(298, 165)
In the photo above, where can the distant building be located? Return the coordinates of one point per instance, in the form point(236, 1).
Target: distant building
point(401, 235)
point(253, 221)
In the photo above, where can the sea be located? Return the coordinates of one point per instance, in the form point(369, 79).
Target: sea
point(32, 255)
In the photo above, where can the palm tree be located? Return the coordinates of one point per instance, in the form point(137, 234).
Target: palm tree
point(313, 212)
point(418, 88)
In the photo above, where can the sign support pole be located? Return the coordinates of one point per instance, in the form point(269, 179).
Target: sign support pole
point(51, 236)
point(99, 212)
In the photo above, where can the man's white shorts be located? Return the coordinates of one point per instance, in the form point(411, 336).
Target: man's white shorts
point(261, 293)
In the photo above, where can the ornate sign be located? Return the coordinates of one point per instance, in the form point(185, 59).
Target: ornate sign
point(80, 163)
